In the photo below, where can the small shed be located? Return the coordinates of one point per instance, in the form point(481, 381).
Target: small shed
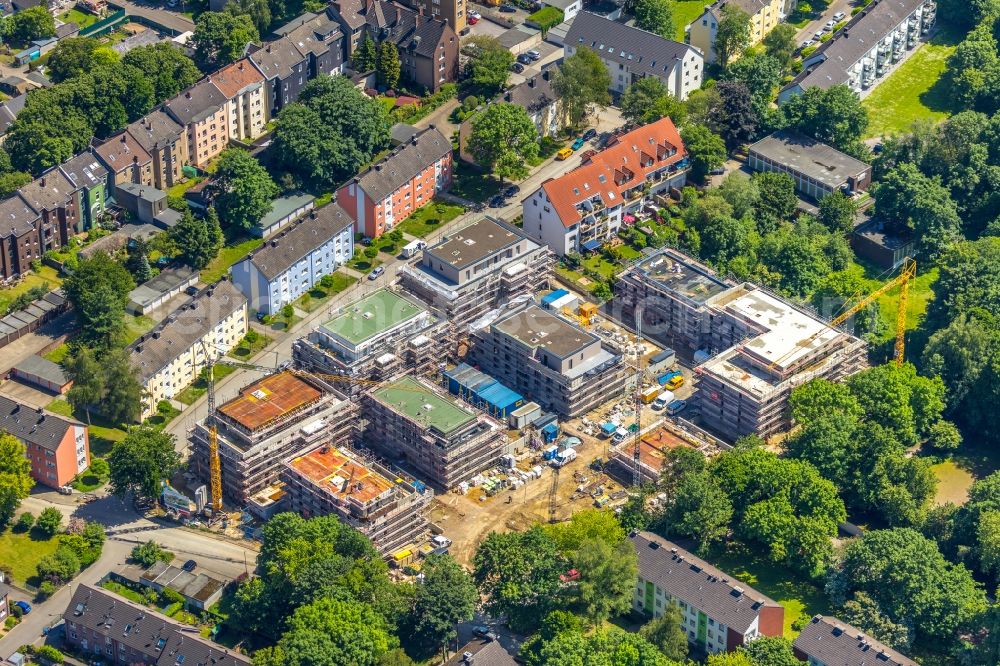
point(154, 293)
point(662, 361)
point(44, 373)
point(284, 210)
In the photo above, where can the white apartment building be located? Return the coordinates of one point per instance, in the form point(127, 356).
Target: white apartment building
point(290, 263)
point(246, 92)
point(171, 356)
point(631, 54)
point(861, 53)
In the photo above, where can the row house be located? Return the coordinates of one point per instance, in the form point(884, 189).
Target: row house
point(57, 447)
point(764, 16)
point(403, 181)
point(630, 54)
point(126, 161)
point(90, 180)
point(165, 140)
point(586, 207)
point(201, 109)
point(246, 99)
point(42, 216)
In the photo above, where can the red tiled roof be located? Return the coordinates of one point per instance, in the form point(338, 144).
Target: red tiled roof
point(235, 77)
point(624, 164)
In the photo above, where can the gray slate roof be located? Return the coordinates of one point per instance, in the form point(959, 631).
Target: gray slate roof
point(410, 30)
point(143, 192)
point(143, 629)
point(298, 239)
point(837, 643)
point(643, 52)
point(484, 653)
point(155, 350)
point(403, 163)
point(43, 368)
point(196, 103)
point(49, 191)
point(155, 130)
point(854, 40)
point(534, 94)
point(32, 424)
point(402, 132)
point(313, 36)
point(684, 576)
point(813, 158)
point(16, 217)
point(84, 170)
point(751, 7)
point(276, 59)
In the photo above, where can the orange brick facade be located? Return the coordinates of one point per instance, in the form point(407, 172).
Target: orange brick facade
point(59, 467)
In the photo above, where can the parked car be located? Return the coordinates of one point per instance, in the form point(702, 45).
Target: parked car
point(497, 201)
point(564, 153)
point(507, 7)
point(376, 272)
point(517, 67)
point(65, 490)
point(877, 148)
point(819, 34)
point(828, 26)
point(578, 144)
point(189, 565)
point(533, 54)
point(474, 14)
point(524, 59)
point(839, 16)
point(806, 44)
point(589, 134)
point(480, 630)
point(717, 171)
point(472, 20)
point(24, 606)
point(511, 191)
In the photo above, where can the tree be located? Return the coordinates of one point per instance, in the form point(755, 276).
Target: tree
point(607, 579)
point(220, 38)
point(24, 522)
point(446, 598)
point(163, 64)
point(15, 476)
point(647, 100)
point(198, 239)
point(779, 43)
point(656, 16)
point(896, 397)
point(88, 380)
point(76, 55)
point(98, 290)
point(777, 194)
point(140, 461)
point(331, 132)
point(706, 149)
point(582, 83)
point(245, 189)
point(737, 120)
point(700, 510)
point(733, 35)
point(30, 24)
point(488, 66)
point(518, 574)
point(366, 55)
point(937, 596)
point(770, 651)
point(667, 633)
point(584, 526)
point(837, 212)
point(820, 397)
point(388, 64)
point(49, 521)
point(149, 553)
point(59, 567)
point(834, 115)
point(911, 201)
point(331, 632)
point(864, 613)
point(503, 139)
point(606, 646)
point(138, 264)
point(122, 399)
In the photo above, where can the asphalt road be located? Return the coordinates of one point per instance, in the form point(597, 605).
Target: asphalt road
point(816, 25)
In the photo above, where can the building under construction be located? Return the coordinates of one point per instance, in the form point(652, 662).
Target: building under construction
point(269, 421)
point(374, 338)
point(760, 346)
point(475, 270)
point(653, 448)
point(549, 360)
point(413, 422)
point(331, 480)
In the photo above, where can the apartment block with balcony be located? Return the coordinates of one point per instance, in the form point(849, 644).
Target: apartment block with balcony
point(476, 269)
point(827, 641)
point(172, 355)
point(584, 208)
point(269, 421)
point(330, 480)
point(440, 439)
point(630, 54)
point(57, 447)
point(719, 613)
point(863, 52)
point(764, 16)
point(374, 337)
point(165, 140)
point(202, 111)
point(406, 179)
point(549, 360)
point(294, 260)
point(245, 91)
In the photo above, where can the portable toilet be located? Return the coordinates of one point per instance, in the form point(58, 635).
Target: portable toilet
point(550, 432)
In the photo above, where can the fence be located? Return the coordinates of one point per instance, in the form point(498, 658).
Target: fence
point(106, 24)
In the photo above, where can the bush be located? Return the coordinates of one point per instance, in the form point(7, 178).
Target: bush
point(149, 553)
point(288, 311)
point(326, 282)
point(172, 596)
point(49, 521)
point(11, 622)
point(24, 522)
point(46, 589)
point(50, 653)
point(546, 17)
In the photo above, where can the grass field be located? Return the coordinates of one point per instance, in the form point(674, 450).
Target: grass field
point(245, 349)
point(431, 217)
point(136, 325)
point(45, 275)
point(82, 19)
point(801, 599)
point(916, 303)
point(198, 387)
point(228, 256)
point(318, 295)
point(953, 482)
point(103, 435)
point(22, 552)
point(686, 11)
point(915, 91)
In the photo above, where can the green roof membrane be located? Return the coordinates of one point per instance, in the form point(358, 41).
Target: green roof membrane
point(420, 403)
point(372, 315)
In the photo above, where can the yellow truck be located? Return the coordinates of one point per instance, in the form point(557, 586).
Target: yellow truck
point(649, 394)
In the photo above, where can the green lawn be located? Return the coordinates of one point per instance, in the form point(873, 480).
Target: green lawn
point(361, 263)
point(473, 184)
point(919, 296)
point(58, 354)
point(103, 434)
point(245, 349)
point(801, 598)
point(686, 11)
point(953, 482)
point(136, 325)
point(228, 256)
point(807, 11)
point(178, 189)
point(198, 387)
point(45, 275)
point(22, 551)
point(165, 413)
point(88, 482)
point(318, 295)
point(915, 91)
point(430, 218)
point(82, 19)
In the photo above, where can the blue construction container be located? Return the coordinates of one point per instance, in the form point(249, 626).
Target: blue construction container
point(553, 296)
point(550, 432)
point(482, 391)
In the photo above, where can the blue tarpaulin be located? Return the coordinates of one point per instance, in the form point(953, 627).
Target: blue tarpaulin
point(553, 296)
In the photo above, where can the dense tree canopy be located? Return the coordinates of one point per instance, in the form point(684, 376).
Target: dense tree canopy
point(503, 139)
point(488, 65)
point(733, 34)
point(245, 189)
point(833, 115)
point(15, 476)
point(656, 16)
point(198, 240)
point(221, 38)
point(98, 290)
point(141, 461)
point(582, 83)
point(647, 100)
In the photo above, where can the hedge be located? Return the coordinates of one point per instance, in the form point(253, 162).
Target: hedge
point(546, 17)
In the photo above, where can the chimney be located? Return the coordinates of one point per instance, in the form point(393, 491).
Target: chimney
point(413, 140)
point(240, 66)
point(123, 137)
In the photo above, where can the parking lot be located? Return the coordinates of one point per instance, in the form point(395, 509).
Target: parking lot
point(550, 54)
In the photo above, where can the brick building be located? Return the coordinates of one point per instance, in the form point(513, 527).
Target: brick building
point(58, 447)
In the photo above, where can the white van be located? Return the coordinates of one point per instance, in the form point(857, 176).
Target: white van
point(663, 400)
point(619, 435)
point(411, 248)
